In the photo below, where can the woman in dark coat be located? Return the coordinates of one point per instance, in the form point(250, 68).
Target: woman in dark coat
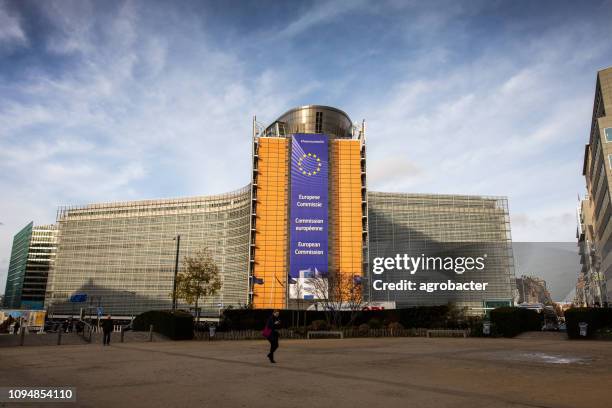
point(271, 334)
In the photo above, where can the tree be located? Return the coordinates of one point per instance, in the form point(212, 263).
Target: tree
point(198, 279)
point(338, 292)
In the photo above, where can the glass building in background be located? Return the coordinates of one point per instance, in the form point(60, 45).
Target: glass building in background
point(17, 267)
point(32, 256)
point(308, 197)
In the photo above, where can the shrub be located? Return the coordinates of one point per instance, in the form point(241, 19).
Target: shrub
point(363, 329)
point(510, 321)
point(319, 325)
point(375, 323)
point(420, 317)
point(474, 325)
point(596, 318)
point(176, 326)
point(395, 326)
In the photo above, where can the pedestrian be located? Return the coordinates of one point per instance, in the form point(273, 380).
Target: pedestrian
point(16, 327)
point(270, 333)
point(107, 328)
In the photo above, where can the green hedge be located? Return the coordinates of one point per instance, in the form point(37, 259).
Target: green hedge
point(510, 321)
point(597, 318)
point(175, 325)
point(421, 317)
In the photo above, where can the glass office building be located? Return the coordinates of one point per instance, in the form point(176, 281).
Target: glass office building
point(32, 256)
point(306, 214)
point(432, 225)
point(122, 255)
point(17, 267)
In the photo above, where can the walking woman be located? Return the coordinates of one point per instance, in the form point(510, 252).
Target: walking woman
point(270, 333)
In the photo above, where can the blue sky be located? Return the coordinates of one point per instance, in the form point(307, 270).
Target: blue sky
point(114, 100)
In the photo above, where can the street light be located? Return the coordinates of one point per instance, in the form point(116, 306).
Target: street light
point(176, 262)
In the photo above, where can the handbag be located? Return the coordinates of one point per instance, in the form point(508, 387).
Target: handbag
point(266, 332)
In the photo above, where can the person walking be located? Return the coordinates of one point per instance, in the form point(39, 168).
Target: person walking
point(270, 333)
point(16, 326)
point(107, 329)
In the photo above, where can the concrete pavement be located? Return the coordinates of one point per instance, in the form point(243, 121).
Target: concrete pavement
point(374, 372)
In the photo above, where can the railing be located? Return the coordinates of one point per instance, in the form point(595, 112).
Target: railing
point(324, 333)
point(292, 334)
point(447, 333)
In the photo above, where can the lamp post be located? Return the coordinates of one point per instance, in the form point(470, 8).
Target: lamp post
point(176, 262)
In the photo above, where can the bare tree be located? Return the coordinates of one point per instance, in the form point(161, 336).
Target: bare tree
point(338, 292)
point(198, 279)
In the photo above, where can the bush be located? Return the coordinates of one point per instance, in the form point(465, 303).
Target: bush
point(596, 318)
point(510, 321)
point(319, 325)
point(474, 325)
point(176, 326)
point(428, 317)
point(363, 329)
point(255, 319)
point(375, 324)
point(395, 326)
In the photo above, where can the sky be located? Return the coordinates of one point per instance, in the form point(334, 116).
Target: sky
point(125, 100)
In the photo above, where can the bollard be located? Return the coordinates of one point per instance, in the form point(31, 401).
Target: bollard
point(486, 328)
point(151, 333)
point(122, 332)
point(21, 340)
point(583, 326)
point(59, 337)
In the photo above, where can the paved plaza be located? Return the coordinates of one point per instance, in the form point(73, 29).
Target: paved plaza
point(396, 372)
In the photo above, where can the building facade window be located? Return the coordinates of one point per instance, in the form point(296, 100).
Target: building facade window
point(319, 122)
point(608, 133)
point(610, 160)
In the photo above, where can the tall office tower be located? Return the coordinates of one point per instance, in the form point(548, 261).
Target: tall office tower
point(32, 256)
point(17, 267)
point(309, 207)
point(41, 256)
point(597, 169)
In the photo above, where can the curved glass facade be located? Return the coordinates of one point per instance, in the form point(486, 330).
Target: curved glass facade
point(122, 254)
point(312, 119)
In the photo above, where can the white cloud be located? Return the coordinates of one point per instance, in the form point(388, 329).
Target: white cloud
point(11, 32)
point(509, 124)
point(323, 12)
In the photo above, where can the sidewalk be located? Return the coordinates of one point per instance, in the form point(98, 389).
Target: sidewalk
point(397, 372)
